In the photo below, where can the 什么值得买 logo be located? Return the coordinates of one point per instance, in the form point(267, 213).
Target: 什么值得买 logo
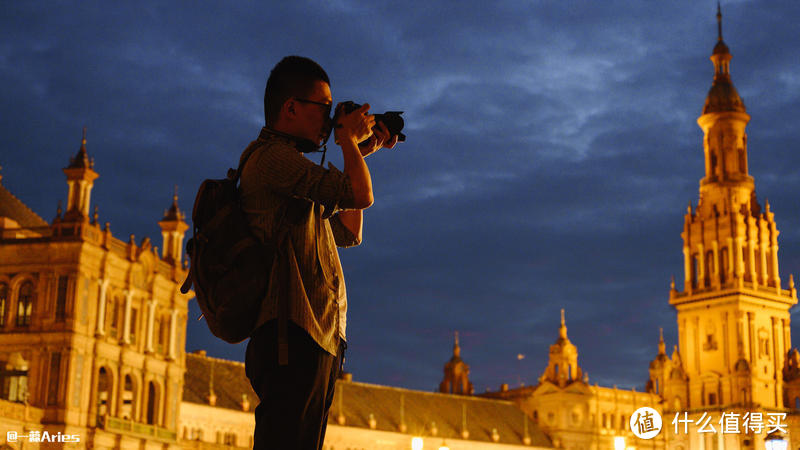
point(646, 423)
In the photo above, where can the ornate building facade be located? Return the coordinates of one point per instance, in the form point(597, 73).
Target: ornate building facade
point(92, 328)
point(92, 339)
point(734, 363)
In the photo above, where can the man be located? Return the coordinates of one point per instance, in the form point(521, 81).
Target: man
point(295, 355)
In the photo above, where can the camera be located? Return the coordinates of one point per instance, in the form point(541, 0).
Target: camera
point(394, 123)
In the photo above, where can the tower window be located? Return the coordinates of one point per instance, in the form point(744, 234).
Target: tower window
point(128, 398)
point(113, 317)
point(25, 304)
point(54, 381)
point(152, 404)
point(724, 264)
point(103, 394)
point(3, 301)
point(134, 314)
point(712, 399)
point(61, 298)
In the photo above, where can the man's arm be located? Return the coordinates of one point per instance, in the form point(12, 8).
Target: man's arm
point(352, 129)
point(354, 219)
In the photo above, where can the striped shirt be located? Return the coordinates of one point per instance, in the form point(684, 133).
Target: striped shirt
point(285, 194)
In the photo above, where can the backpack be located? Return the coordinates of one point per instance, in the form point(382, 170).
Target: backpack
point(229, 266)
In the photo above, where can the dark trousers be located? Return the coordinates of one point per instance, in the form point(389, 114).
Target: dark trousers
point(295, 399)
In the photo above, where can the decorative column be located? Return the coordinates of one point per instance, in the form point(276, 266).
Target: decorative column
point(701, 267)
point(751, 345)
point(126, 324)
point(151, 313)
point(173, 324)
point(687, 269)
point(101, 307)
point(778, 355)
point(751, 250)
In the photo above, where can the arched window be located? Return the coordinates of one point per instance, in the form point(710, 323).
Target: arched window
point(128, 395)
point(3, 302)
point(163, 335)
point(103, 394)
point(61, 298)
point(152, 403)
point(723, 274)
point(14, 379)
point(113, 316)
point(25, 304)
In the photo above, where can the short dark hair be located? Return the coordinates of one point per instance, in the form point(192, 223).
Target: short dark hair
point(293, 76)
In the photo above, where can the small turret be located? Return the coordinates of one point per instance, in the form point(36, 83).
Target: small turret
point(173, 227)
point(456, 374)
point(80, 179)
point(562, 368)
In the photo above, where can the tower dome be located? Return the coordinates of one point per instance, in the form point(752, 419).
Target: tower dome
point(722, 97)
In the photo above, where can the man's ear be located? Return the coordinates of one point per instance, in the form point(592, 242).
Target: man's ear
point(288, 108)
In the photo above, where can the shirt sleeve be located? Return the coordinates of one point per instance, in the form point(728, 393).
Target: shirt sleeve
point(285, 171)
point(341, 234)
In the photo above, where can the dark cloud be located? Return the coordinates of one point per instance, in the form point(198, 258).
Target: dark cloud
point(552, 150)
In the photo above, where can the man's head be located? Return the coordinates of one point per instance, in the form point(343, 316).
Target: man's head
point(297, 98)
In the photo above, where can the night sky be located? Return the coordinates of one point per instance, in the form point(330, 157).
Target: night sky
point(552, 151)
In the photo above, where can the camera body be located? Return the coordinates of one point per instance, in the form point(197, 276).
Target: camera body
point(394, 123)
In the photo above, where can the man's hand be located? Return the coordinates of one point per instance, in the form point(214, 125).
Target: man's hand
point(355, 126)
point(380, 138)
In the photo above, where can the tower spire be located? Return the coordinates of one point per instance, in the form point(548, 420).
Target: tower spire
point(719, 22)
point(562, 367)
point(80, 179)
point(662, 349)
point(456, 373)
point(173, 226)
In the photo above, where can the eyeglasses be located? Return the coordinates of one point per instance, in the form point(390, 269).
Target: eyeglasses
point(327, 106)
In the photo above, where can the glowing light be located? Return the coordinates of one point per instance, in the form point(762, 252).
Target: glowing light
point(416, 443)
point(619, 443)
point(775, 443)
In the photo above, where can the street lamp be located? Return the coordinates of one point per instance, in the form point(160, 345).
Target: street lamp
point(775, 441)
point(416, 443)
point(619, 443)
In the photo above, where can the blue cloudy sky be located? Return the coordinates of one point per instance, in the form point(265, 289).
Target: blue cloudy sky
point(552, 150)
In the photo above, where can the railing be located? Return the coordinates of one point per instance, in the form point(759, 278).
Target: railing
point(116, 425)
point(731, 285)
point(20, 412)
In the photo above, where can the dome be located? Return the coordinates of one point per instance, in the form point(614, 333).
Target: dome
point(723, 97)
point(659, 362)
point(720, 48)
point(742, 366)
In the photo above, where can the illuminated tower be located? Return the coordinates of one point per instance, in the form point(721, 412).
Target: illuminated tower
point(562, 368)
point(173, 228)
point(733, 314)
point(80, 178)
point(456, 374)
